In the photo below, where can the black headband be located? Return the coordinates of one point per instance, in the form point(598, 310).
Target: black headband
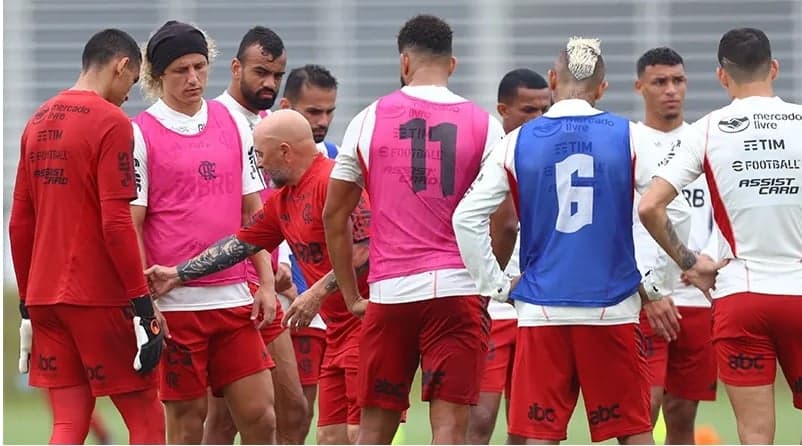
point(173, 40)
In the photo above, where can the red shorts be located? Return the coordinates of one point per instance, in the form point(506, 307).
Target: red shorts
point(273, 329)
point(211, 348)
point(553, 362)
point(497, 376)
point(310, 345)
point(686, 367)
point(337, 389)
point(753, 332)
point(448, 335)
point(75, 345)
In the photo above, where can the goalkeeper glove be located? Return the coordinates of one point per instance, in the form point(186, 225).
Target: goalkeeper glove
point(149, 336)
point(25, 338)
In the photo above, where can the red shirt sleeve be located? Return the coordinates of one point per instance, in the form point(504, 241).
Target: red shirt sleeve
point(115, 172)
point(360, 219)
point(264, 230)
point(116, 188)
point(22, 224)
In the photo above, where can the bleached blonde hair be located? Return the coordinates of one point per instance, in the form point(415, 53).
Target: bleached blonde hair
point(152, 85)
point(582, 54)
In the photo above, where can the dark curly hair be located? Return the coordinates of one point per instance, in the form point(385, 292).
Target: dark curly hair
point(658, 56)
point(426, 33)
point(267, 39)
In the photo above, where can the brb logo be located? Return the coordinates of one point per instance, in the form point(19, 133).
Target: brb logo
point(603, 414)
point(537, 413)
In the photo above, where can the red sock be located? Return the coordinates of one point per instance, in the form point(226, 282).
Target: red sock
point(143, 414)
point(72, 409)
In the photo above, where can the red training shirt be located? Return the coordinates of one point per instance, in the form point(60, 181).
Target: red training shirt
point(295, 213)
point(71, 233)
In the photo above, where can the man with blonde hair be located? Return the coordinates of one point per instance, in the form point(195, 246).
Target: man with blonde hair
point(574, 165)
point(192, 166)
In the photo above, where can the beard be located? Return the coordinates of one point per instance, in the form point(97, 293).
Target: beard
point(254, 99)
point(319, 135)
point(277, 178)
point(670, 116)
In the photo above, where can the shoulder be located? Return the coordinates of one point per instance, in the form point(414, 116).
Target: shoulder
point(107, 115)
point(322, 169)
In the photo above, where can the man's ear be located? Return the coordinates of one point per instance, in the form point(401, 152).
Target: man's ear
point(501, 108)
point(236, 67)
point(122, 65)
point(723, 77)
point(600, 91)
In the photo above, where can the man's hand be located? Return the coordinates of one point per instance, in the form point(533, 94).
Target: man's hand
point(290, 293)
point(283, 278)
point(264, 303)
point(149, 335)
point(703, 274)
point(25, 339)
point(162, 322)
point(663, 317)
point(162, 279)
point(303, 309)
point(358, 306)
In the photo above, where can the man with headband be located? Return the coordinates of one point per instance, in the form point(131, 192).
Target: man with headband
point(192, 166)
point(574, 166)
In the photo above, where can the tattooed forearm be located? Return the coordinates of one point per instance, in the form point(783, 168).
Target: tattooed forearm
point(685, 257)
point(223, 254)
point(331, 281)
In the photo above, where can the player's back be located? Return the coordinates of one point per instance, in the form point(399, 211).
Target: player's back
point(61, 149)
point(753, 163)
point(424, 154)
point(575, 186)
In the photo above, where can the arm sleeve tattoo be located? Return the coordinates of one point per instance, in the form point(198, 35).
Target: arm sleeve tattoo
point(223, 254)
point(686, 258)
point(331, 281)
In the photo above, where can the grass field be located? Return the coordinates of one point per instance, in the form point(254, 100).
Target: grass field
point(26, 419)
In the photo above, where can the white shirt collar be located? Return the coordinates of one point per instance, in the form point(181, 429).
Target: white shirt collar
point(233, 105)
point(436, 93)
point(679, 129)
point(571, 107)
point(756, 98)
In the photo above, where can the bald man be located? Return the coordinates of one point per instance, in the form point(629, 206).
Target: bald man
point(286, 148)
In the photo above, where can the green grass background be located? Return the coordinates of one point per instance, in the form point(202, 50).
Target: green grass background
point(26, 418)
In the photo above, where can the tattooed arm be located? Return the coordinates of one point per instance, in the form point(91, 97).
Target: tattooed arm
point(328, 283)
point(223, 254)
point(307, 305)
point(654, 216)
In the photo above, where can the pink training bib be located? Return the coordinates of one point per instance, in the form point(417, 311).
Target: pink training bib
point(423, 158)
point(194, 191)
